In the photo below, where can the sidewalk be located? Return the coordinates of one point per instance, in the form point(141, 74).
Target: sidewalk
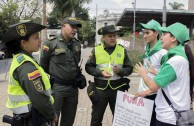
point(83, 115)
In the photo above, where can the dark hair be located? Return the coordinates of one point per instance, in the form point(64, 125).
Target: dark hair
point(158, 37)
point(14, 46)
point(191, 68)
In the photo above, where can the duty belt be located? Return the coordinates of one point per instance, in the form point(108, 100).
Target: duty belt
point(63, 82)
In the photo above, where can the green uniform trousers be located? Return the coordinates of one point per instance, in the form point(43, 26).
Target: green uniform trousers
point(105, 97)
point(66, 100)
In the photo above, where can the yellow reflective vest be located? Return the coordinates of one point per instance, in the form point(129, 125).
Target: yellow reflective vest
point(18, 101)
point(106, 62)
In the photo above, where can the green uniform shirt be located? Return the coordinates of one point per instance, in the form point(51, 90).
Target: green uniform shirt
point(57, 57)
point(40, 100)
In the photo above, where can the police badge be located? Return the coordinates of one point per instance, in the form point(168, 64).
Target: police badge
point(21, 29)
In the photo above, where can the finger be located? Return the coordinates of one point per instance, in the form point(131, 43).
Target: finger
point(140, 64)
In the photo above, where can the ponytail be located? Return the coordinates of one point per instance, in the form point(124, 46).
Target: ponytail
point(191, 68)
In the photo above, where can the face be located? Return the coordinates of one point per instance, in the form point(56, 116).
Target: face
point(32, 44)
point(168, 41)
point(69, 31)
point(150, 36)
point(110, 39)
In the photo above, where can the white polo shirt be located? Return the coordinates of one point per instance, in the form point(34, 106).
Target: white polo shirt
point(154, 56)
point(174, 79)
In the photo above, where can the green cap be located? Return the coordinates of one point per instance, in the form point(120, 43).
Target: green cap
point(72, 21)
point(107, 29)
point(179, 31)
point(152, 25)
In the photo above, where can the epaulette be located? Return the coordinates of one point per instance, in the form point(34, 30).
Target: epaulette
point(75, 39)
point(121, 45)
point(20, 58)
point(52, 38)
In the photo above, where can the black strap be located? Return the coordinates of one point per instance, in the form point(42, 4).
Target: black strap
point(78, 67)
point(168, 101)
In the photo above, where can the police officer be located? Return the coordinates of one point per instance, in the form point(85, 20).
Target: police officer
point(29, 96)
point(108, 63)
point(59, 57)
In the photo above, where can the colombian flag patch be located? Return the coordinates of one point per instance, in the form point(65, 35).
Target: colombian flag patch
point(46, 48)
point(34, 75)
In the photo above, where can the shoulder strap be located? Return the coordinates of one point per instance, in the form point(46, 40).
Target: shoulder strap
point(78, 67)
point(168, 101)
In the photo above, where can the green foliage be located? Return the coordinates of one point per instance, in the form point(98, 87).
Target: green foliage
point(135, 56)
point(87, 32)
point(176, 5)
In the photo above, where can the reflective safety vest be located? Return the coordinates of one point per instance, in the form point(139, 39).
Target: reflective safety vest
point(18, 101)
point(106, 62)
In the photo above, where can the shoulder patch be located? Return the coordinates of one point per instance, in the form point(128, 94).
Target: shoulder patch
point(20, 58)
point(38, 85)
point(34, 75)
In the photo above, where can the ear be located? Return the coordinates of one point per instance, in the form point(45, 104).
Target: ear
point(23, 44)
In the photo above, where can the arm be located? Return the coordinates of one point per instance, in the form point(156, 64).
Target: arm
point(127, 67)
point(38, 96)
point(166, 75)
point(143, 93)
point(139, 68)
point(45, 56)
point(90, 66)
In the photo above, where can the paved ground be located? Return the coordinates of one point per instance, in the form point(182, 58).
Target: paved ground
point(83, 115)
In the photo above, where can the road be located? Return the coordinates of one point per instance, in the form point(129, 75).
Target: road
point(83, 115)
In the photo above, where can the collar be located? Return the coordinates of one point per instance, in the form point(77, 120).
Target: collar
point(28, 54)
point(157, 47)
point(177, 50)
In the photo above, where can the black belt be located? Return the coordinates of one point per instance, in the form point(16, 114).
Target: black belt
point(63, 82)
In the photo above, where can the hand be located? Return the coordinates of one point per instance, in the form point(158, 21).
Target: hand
point(106, 74)
point(151, 69)
point(143, 93)
point(116, 69)
point(139, 68)
point(55, 120)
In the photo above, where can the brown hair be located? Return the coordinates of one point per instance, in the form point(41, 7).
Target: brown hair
point(191, 68)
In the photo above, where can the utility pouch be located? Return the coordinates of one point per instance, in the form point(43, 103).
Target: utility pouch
point(92, 93)
point(80, 81)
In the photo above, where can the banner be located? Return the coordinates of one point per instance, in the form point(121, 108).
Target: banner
point(132, 112)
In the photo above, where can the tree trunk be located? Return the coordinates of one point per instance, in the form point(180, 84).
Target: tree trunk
point(44, 22)
point(73, 13)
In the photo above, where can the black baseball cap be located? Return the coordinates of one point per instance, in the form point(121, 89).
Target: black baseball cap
point(107, 29)
point(72, 21)
point(21, 30)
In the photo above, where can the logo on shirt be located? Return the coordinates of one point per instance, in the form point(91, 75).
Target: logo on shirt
point(118, 55)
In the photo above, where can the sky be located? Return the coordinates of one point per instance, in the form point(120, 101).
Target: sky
point(117, 6)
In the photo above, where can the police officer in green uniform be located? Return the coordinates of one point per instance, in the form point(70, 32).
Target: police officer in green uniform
point(29, 93)
point(59, 57)
point(108, 63)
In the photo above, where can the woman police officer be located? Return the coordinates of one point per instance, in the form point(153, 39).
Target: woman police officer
point(29, 96)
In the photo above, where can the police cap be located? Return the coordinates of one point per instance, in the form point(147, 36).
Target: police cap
point(107, 29)
point(21, 30)
point(71, 21)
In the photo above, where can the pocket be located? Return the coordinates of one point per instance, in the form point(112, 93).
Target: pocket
point(60, 57)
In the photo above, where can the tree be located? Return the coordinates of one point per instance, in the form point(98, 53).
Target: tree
point(176, 5)
point(11, 11)
point(68, 7)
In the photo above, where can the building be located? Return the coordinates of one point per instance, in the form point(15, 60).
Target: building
point(106, 19)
